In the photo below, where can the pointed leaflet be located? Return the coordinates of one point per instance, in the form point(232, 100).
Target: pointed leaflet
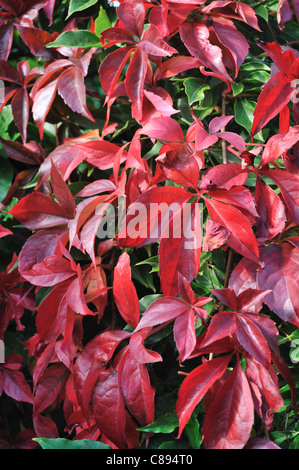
point(242, 238)
point(49, 387)
point(20, 111)
point(230, 417)
point(108, 408)
point(37, 210)
point(271, 210)
point(138, 350)
point(153, 44)
point(196, 385)
point(162, 310)
point(132, 15)
point(224, 176)
point(124, 291)
point(42, 102)
point(135, 78)
point(71, 88)
point(179, 164)
point(280, 275)
point(278, 144)
point(195, 36)
point(91, 361)
point(252, 340)
point(61, 191)
point(150, 214)
point(165, 129)
point(288, 184)
point(184, 334)
point(111, 69)
point(138, 393)
point(180, 248)
point(275, 95)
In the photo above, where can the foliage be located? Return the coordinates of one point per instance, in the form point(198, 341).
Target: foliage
point(120, 333)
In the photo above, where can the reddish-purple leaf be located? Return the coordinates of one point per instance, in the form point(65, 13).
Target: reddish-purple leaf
point(224, 176)
point(138, 350)
point(195, 36)
point(138, 393)
point(132, 15)
point(16, 386)
point(42, 103)
point(61, 191)
point(288, 185)
point(276, 94)
point(49, 387)
point(230, 417)
point(242, 238)
point(222, 324)
point(111, 68)
point(184, 334)
point(20, 111)
point(180, 248)
point(271, 210)
point(280, 275)
point(162, 310)
point(135, 78)
point(91, 361)
point(196, 385)
point(252, 340)
point(164, 128)
point(37, 210)
point(6, 37)
point(152, 43)
point(260, 443)
point(278, 144)
point(71, 88)
point(124, 291)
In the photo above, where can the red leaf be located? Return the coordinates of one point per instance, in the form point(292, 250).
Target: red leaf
point(153, 44)
point(36, 39)
point(224, 176)
point(138, 350)
point(135, 78)
point(6, 37)
point(71, 88)
point(164, 128)
point(222, 324)
point(36, 210)
point(196, 385)
point(49, 387)
point(4, 232)
point(278, 144)
point(276, 94)
point(280, 275)
point(252, 340)
point(288, 185)
point(111, 68)
point(138, 393)
point(42, 103)
point(260, 443)
point(180, 248)
point(61, 191)
point(8, 72)
point(162, 310)
point(91, 361)
point(195, 36)
point(184, 334)
point(230, 417)
point(241, 237)
point(155, 209)
point(20, 111)
point(16, 387)
point(132, 15)
point(179, 164)
point(272, 214)
point(124, 291)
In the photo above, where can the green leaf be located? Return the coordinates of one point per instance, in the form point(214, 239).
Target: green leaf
point(79, 5)
point(80, 38)
point(237, 88)
point(192, 431)
point(147, 300)
point(61, 443)
point(194, 90)
point(102, 22)
point(6, 176)
point(165, 424)
point(262, 11)
point(244, 115)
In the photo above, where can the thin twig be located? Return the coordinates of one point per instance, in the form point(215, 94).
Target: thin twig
point(223, 142)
